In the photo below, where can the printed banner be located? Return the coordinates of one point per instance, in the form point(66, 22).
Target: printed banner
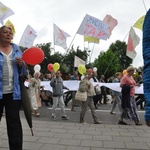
point(93, 27)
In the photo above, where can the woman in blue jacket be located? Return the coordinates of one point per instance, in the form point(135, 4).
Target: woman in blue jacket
point(11, 65)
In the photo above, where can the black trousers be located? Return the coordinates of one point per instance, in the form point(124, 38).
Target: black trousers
point(96, 98)
point(139, 100)
point(14, 127)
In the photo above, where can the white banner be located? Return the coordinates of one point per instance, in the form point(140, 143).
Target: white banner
point(73, 86)
point(78, 61)
point(93, 27)
point(28, 37)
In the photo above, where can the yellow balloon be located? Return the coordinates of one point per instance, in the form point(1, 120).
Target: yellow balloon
point(82, 69)
point(56, 67)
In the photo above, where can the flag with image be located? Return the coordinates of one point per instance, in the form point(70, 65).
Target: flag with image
point(139, 23)
point(4, 12)
point(28, 37)
point(112, 23)
point(60, 37)
point(10, 25)
point(133, 41)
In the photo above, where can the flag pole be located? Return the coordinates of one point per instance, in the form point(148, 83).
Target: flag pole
point(125, 36)
point(144, 5)
point(54, 38)
point(71, 43)
point(92, 52)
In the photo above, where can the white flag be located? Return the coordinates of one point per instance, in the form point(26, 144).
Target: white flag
point(133, 41)
point(4, 12)
point(28, 37)
point(60, 37)
point(93, 27)
point(78, 61)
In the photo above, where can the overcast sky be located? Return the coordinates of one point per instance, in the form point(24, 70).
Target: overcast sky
point(68, 15)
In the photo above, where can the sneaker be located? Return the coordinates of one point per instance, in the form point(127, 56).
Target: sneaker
point(113, 113)
point(54, 117)
point(37, 114)
point(138, 124)
point(65, 117)
point(122, 122)
point(83, 122)
point(98, 122)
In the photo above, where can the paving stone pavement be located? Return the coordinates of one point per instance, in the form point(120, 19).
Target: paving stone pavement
point(58, 135)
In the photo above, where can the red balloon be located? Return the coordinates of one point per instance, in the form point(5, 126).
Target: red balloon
point(50, 67)
point(33, 56)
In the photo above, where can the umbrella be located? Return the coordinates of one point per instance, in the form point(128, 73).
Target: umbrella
point(26, 103)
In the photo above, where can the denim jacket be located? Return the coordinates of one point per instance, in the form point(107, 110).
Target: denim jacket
point(16, 52)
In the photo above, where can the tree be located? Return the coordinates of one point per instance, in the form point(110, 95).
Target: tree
point(119, 48)
point(106, 63)
point(69, 58)
point(113, 60)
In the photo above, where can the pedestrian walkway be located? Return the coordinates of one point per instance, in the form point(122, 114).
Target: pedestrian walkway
point(57, 135)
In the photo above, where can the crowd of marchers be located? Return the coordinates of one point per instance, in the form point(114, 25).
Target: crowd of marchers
point(126, 100)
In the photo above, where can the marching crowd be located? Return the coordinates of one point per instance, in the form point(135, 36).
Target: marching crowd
point(126, 100)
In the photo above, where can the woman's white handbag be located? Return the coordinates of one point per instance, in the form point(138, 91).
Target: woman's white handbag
point(81, 96)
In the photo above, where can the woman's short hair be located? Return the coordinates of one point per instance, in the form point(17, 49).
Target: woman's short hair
point(2, 27)
point(36, 73)
point(117, 74)
point(130, 68)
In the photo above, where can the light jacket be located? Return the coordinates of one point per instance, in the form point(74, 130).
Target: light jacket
point(16, 52)
point(86, 85)
point(57, 86)
point(115, 92)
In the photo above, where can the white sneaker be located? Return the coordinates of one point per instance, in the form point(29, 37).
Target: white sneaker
point(54, 117)
point(65, 117)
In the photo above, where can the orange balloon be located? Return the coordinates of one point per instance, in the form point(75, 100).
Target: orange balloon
point(124, 72)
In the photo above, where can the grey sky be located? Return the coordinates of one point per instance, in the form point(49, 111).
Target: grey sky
point(68, 15)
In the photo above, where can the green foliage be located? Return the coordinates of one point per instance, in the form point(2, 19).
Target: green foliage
point(119, 48)
point(69, 58)
point(113, 60)
point(107, 64)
